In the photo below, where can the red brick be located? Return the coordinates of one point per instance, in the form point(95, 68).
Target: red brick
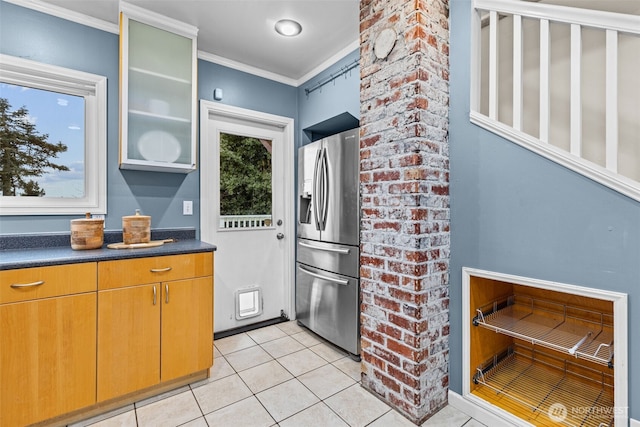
point(389, 382)
point(372, 261)
point(386, 303)
point(373, 336)
point(375, 361)
point(403, 377)
point(387, 225)
point(390, 331)
point(387, 355)
point(386, 176)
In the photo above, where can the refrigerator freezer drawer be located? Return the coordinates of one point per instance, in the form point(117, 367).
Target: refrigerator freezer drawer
point(341, 259)
point(329, 305)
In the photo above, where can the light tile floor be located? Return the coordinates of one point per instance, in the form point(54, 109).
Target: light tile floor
point(280, 375)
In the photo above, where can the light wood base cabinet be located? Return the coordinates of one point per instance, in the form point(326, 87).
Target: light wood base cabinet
point(162, 326)
point(47, 345)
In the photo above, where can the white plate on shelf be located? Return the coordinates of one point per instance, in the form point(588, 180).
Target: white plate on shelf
point(159, 146)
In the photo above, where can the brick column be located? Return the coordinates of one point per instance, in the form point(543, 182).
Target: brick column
point(404, 161)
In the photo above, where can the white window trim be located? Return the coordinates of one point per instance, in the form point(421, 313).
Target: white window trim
point(93, 88)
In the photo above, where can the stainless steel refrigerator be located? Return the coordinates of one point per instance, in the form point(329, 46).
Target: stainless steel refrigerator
point(328, 252)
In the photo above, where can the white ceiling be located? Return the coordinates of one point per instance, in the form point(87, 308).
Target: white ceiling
point(240, 32)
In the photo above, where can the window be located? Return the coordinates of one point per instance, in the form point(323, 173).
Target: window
point(53, 151)
point(245, 182)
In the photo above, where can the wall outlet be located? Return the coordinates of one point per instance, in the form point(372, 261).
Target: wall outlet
point(187, 207)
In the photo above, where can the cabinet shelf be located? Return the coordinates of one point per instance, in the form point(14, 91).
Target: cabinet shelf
point(581, 333)
point(159, 116)
point(159, 75)
point(539, 383)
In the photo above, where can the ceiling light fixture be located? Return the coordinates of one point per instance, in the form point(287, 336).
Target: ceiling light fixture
point(288, 27)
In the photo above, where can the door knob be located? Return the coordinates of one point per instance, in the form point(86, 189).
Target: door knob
point(279, 236)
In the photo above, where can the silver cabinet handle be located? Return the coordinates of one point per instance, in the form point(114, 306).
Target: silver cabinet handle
point(339, 251)
point(279, 236)
point(166, 294)
point(155, 294)
point(327, 278)
point(160, 270)
point(27, 285)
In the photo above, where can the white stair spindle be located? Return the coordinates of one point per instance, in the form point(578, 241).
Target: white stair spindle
point(611, 110)
point(476, 53)
point(576, 96)
point(517, 72)
point(493, 65)
point(545, 104)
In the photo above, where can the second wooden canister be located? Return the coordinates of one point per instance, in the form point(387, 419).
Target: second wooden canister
point(136, 228)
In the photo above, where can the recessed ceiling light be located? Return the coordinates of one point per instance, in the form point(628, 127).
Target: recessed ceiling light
point(288, 27)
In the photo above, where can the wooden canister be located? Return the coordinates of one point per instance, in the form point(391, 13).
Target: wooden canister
point(136, 228)
point(87, 233)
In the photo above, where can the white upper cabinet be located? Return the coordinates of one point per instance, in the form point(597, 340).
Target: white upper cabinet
point(158, 92)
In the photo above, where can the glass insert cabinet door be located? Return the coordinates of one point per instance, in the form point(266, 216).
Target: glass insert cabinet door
point(158, 92)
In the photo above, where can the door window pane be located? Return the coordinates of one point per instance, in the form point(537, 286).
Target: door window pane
point(245, 182)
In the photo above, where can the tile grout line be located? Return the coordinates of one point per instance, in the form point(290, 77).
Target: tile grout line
point(294, 377)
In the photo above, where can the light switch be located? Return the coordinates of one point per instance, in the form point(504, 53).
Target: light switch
point(187, 207)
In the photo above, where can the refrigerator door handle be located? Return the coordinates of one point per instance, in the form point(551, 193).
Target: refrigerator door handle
point(316, 189)
point(327, 278)
point(336, 250)
point(325, 188)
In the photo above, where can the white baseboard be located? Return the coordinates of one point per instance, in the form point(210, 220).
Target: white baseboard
point(634, 423)
point(488, 418)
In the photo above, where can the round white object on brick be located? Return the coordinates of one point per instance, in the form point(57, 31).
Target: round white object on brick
point(384, 43)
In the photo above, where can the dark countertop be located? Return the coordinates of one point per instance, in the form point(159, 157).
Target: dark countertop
point(54, 255)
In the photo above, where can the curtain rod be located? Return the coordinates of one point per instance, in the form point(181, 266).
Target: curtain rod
point(332, 76)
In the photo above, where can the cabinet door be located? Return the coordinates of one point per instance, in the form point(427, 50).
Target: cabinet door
point(47, 358)
point(128, 340)
point(158, 93)
point(187, 327)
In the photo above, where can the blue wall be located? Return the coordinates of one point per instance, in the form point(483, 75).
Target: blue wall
point(51, 40)
point(515, 212)
point(334, 98)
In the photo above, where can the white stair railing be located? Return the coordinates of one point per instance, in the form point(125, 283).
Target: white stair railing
point(492, 101)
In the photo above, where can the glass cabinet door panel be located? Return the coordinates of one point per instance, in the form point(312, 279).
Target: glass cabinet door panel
point(158, 93)
point(159, 51)
point(159, 140)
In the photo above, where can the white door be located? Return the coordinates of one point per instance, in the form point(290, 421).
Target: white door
point(247, 212)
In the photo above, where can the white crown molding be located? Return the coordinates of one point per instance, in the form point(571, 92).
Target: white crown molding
point(158, 20)
point(329, 62)
point(206, 56)
point(67, 14)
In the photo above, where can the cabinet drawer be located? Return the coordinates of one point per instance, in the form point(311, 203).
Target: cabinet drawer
point(138, 271)
point(43, 282)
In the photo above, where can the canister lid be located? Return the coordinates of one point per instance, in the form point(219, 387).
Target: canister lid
point(136, 216)
point(87, 220)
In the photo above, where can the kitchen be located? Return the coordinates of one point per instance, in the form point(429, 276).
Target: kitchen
point(155, 192)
